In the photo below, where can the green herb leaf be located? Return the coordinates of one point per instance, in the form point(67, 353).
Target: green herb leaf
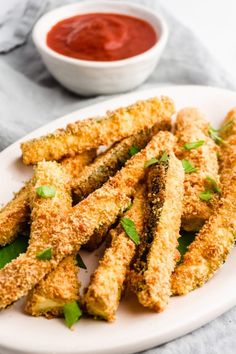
point(152, 161)
point(164, 157)
point(214, 135)
point(45, 255)
point(188, 167)
point(206, 195)
point(130, 229)
point(80, 261)
point(12, 251)
point(193, 145)
point(213, 185)
point(46, 191)
point(133, 150)
point(72, 313)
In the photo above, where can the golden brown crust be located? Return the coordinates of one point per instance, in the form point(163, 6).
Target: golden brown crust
point(229, 125)
point(70, 232)
point(73, 166)
point(107, 164)
point(91, 133)
point(58, 288)
point(104, 167)
point(191, 126)
point(215, 240)
point(106, 284)
point(15, 214)
point(156, 259)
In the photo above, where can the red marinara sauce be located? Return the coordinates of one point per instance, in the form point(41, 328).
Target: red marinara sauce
point(101, 37)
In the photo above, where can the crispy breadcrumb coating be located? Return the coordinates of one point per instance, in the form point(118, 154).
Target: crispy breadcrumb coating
point(68, 233)
point(15, 214)
point(156, 255)
point(191, 126)
point(91, 133)
point(73, 166)
point(103, 295)
point(107, 164)
point(61, 285)
point(58, 288)
point(207, 253)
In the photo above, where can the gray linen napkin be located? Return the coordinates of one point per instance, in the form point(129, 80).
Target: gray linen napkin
point(30, 97)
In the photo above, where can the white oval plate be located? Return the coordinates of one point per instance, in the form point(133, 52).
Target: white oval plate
point(135, 328)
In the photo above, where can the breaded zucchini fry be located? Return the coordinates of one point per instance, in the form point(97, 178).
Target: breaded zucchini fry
point(58, 288)
point(103, 295)
point(209, 250)
point(61, 285)
point(69, 233)
point(107, 164)
point(16, 213)
point(156, 255)
point(91, 133)
point(191, 126)
point(13, 216)
point(73, 166)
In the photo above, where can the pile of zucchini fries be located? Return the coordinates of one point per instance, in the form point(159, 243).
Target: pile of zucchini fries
point(137, 196)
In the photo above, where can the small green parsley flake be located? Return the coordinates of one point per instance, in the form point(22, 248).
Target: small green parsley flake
point(164, 157)
point(214, 135)
point(45, 255)
point(213, 184)
point(206, 195)
point(46, 191)
point(188, 167)
point(133, 150)
point(80, 261)
point(193, 145)
point(72, 313)
point(152, 161)
point(130, 229)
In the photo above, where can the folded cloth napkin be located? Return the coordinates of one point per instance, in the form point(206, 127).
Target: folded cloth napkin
point(30, 97)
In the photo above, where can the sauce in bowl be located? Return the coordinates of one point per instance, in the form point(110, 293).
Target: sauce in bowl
point(101, 37)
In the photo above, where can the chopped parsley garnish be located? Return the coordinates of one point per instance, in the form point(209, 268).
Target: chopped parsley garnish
point(130, 229)
point(164, 157)
point(193, 145)
point(213, 184)
point(214, 135)
point(80, 261)
point(211, 188)
point(72, 313)
point(153, 161)
point(46, 191)
point(12, 251)
point(188, 167)
point(133, 150)
point(45, 255)
point(206, 195)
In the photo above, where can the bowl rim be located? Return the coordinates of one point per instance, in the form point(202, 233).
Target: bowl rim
point(158, 46)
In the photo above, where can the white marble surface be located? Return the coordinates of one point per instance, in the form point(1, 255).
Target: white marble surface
point(213, 21)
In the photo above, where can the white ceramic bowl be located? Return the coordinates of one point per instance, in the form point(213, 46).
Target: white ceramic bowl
point(91, 77)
